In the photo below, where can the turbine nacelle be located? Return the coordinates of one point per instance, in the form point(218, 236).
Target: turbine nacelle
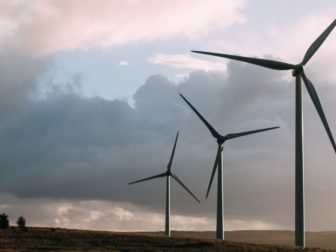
point(297, 70)
point(221, 140)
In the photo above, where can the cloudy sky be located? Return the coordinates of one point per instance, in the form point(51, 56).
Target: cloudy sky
point(89, 101)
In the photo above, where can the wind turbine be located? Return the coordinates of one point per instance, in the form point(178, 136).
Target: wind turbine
point(219, 163)
point(298, 73)
point(168, 174)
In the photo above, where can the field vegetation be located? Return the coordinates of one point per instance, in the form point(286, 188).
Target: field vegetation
point(55, 239)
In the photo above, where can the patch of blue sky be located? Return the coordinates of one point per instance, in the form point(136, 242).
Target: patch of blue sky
point(112, 73)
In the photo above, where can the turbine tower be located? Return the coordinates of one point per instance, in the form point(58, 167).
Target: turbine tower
point(219, 163)
point(168, 174)
point(298, 73)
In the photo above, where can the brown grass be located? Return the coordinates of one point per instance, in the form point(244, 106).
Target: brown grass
point(55, 239)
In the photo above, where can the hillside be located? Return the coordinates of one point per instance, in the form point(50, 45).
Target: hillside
point(326, 240)
point(55, 239)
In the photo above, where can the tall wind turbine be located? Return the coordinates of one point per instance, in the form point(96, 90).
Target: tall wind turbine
point(168, 174)
point(219, 163)
point(298, 73)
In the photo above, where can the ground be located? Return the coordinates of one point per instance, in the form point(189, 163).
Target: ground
point(55, 239)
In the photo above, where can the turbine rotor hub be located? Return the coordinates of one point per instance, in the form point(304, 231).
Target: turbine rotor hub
point(297, 70)
point(220, 140)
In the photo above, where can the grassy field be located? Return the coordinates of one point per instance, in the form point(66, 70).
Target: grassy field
point(55, 239)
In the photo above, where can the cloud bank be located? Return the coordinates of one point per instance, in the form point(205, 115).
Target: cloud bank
point(49, 26)
point(66, 147)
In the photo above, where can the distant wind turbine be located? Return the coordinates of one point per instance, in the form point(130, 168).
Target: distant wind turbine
point(168, 174)
point(219, 163)
point(298, 72)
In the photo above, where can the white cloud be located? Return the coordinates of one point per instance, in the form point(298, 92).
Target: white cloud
point(287, 43)
point(235, 224)
point(187, 62)
point(123, 63)
point(111, 216)
point(52, 25)
point(181, 76)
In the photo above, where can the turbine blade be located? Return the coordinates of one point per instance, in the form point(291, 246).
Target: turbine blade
point(173, 152)
point(214, 169)
point(152, 177)
point(318, 42)
point(234, 135)
point(185, 187)
point(272, 64)
point(318, 106)
point(212, 130)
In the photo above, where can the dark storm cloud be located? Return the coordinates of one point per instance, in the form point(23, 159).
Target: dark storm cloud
point(19, 75)
point(70, 147)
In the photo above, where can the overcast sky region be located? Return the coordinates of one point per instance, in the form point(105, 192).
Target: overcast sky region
point(89, 102)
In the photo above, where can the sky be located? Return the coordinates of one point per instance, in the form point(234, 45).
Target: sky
point(89, 102)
